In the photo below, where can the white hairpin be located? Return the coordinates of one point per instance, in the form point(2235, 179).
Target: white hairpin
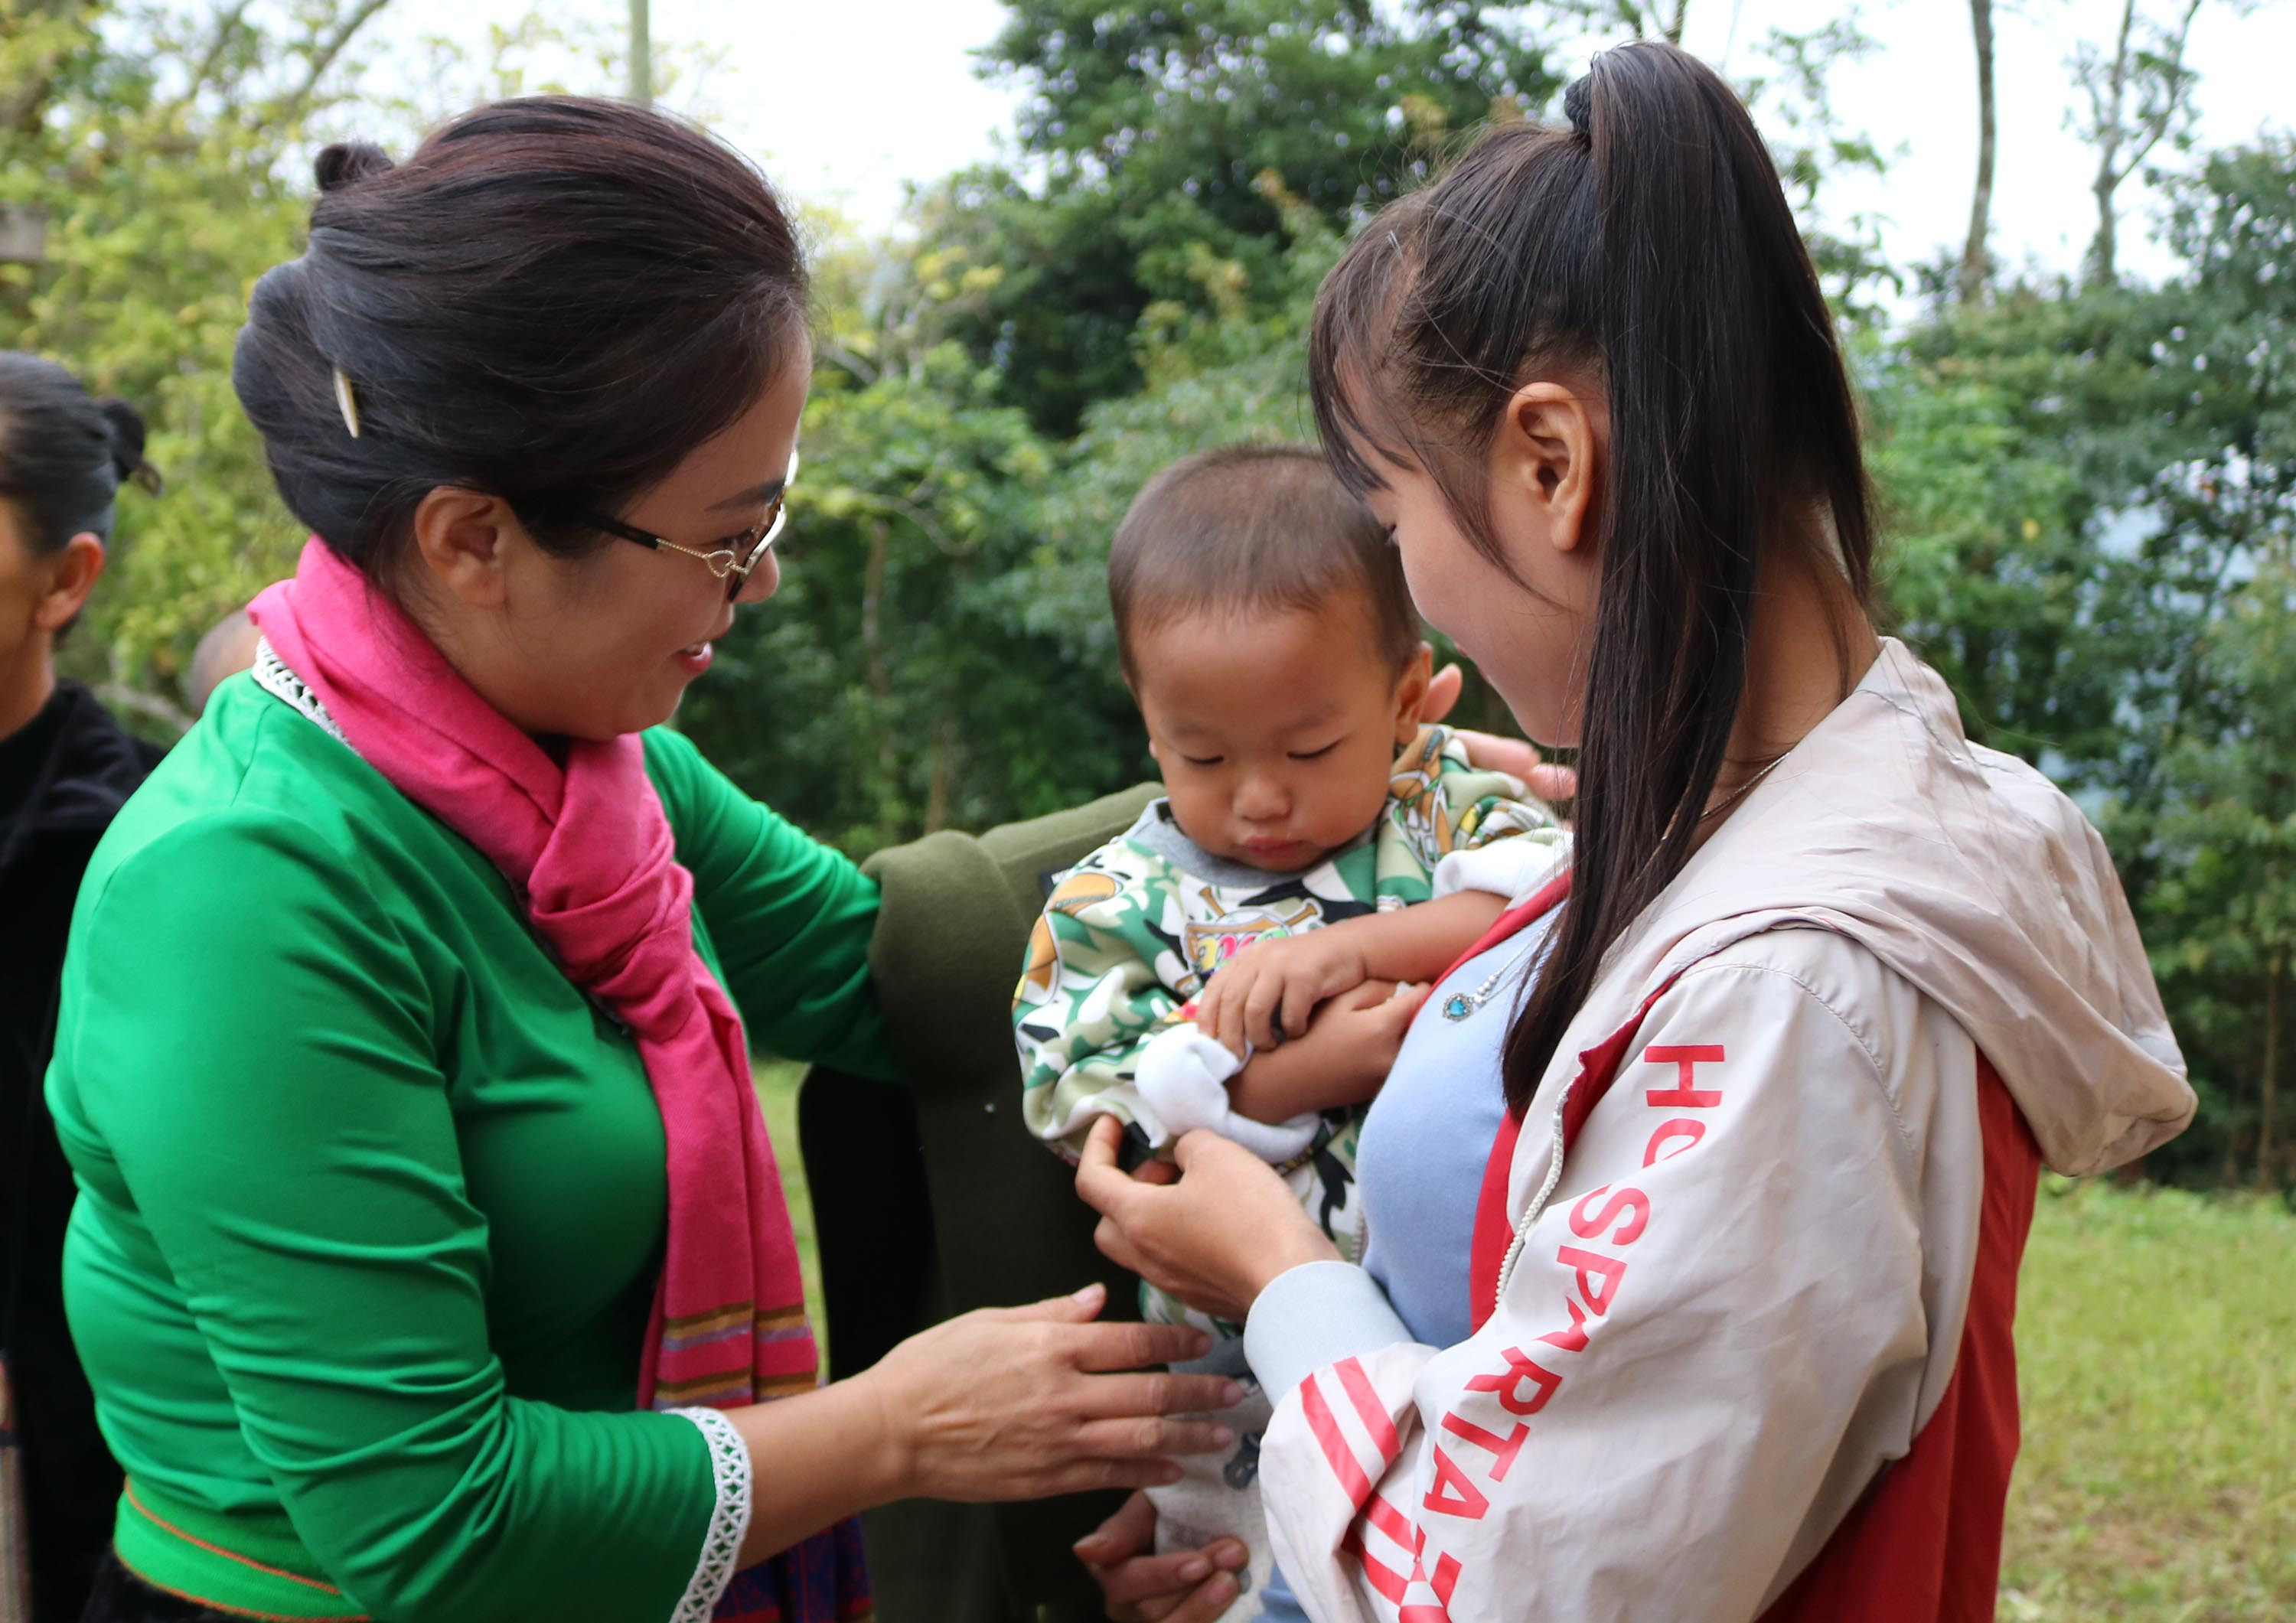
point(347, 402)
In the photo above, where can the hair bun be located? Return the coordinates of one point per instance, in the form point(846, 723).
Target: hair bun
point(126, 424)
point(348, 161)
point(1578, 106)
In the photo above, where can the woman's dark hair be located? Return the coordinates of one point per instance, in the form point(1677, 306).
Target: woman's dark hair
point(554, 300)
point(1647, 249)
point(63, 456)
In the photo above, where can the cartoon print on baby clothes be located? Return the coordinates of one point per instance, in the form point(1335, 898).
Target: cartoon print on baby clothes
point(1416, 805)
point(1212, 942)
point(1071, 896)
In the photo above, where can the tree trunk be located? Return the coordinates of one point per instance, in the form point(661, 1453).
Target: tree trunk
point(1973, 255)
point(2103, 246)
point(944, 746)
point(873, 592)
point(2265, 1084)
point(641, 53)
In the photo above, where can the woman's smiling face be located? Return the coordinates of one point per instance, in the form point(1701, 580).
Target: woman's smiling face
point(606, 644)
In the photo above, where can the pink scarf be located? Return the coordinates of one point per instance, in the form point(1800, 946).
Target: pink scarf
point(588, 851)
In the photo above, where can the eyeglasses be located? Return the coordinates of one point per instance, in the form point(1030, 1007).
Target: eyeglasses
point(732, 558)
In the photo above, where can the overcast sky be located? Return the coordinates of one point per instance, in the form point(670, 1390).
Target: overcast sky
point(843, 103)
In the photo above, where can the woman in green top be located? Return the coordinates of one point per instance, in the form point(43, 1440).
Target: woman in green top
point(374, 1218)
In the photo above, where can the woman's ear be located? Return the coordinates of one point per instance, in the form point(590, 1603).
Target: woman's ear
point(1549, 447)
point(77, 568)
point(461, 536)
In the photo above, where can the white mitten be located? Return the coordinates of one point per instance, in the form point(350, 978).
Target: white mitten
point(1182, 1077)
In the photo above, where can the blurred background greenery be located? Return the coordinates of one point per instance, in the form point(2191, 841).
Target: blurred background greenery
point(2088, 478)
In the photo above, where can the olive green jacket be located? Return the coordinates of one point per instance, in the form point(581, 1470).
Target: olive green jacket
point(934, 1199)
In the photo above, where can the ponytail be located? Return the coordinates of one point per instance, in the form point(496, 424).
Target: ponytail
point(1646, 245)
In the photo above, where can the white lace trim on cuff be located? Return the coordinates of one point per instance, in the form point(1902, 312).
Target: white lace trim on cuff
point(729, 1520)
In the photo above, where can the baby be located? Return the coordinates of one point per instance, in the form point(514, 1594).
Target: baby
point(1265, 633)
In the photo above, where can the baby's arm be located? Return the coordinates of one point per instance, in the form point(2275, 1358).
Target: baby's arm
point(1343, 1059)
point(1096, 989)
point(1267, 992)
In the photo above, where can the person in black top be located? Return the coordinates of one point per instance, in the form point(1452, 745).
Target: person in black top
point(66, 767)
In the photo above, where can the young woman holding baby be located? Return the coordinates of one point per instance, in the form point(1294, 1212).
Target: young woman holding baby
point(1696, 1195)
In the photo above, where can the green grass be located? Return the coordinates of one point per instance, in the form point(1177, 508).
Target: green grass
point(777, 1092)
point(2156, 1339)
point(2156, 1344)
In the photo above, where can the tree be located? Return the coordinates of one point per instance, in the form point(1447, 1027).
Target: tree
point(168, 144)
point(2138, 95)
point(1974, 257)
point(2090, 493)
point(2213, 830)
point(1148, 128)
point(1642, 20)
point(161, 153)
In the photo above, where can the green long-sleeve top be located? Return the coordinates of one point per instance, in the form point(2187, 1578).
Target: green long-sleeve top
point(373, 1198)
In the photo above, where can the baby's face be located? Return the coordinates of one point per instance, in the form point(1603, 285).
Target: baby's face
point(1276, 733)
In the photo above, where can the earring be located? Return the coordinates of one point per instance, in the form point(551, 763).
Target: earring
point(346, 403)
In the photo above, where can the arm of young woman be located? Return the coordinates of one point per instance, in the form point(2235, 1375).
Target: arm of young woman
point(1715, 1333)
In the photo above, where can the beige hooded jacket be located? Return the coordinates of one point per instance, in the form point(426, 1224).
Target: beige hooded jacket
point(1748, 1206)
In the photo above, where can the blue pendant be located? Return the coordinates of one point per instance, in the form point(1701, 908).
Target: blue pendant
point(1458, 1007)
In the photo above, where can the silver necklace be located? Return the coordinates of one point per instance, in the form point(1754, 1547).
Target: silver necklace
point(1742, 790)
point(1459, 1006)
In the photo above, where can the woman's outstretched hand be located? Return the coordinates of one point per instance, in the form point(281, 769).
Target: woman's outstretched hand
point(1512, 755)
point(1213, 1232)
point(1016, 1403)
point(1141, 1586)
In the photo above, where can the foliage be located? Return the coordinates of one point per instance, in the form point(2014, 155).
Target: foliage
point(159, 152)
point(168, 144)
point(2092, 494)
point(2089, 487)
point(1148, 132)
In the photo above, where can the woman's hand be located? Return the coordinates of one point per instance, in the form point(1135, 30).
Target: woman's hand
point(1515, 757)
point(1183, 1586)
point(1016, 1403)
point(1215, 1237)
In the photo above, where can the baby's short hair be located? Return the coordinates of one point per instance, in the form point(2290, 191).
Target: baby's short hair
point(1254, 527)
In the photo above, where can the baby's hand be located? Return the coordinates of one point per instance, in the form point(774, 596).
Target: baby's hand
point(1268, 991)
